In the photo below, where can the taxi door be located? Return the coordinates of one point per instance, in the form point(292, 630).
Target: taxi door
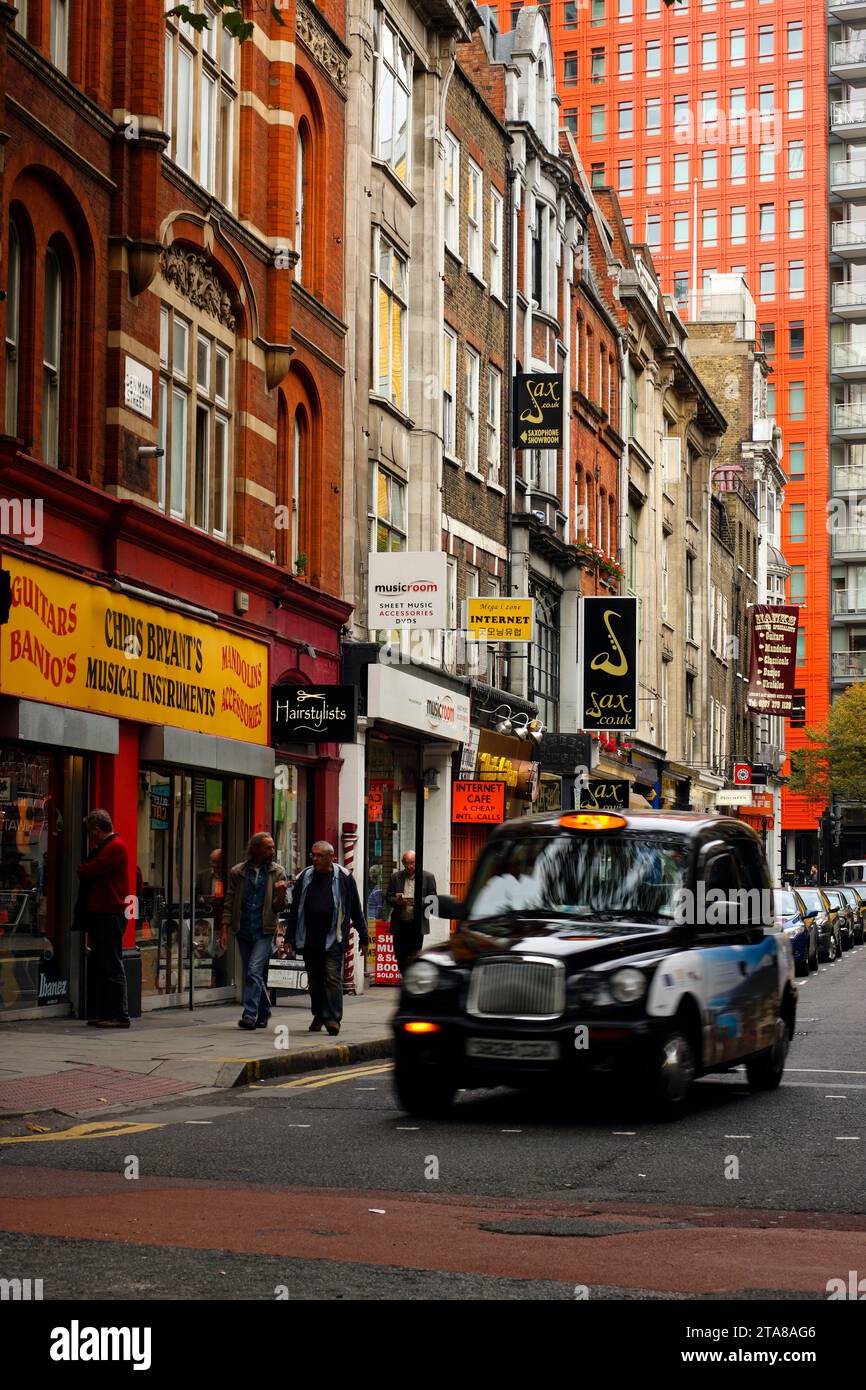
point(732, 963)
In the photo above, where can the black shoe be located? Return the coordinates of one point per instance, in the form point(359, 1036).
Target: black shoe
point(316, 1026)
point(332, 1028)
point(262, 1022)
point(247, 1023)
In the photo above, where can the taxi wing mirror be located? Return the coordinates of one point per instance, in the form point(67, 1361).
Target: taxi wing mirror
point(445, 906)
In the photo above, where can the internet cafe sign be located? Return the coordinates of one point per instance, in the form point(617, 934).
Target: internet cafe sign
point(406, 589)
point(313, 713)
point(499, 619)
point(538, 410)
point(608, 663)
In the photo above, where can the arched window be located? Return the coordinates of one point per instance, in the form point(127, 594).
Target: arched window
point(599, 519)
point(300, 176)
point(52, 320)
point(300, 437)
point(13, 346)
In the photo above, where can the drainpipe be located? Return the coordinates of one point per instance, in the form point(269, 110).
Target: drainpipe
point(510, 175)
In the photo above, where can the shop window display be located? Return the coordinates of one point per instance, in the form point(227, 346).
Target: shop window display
point(33, 929)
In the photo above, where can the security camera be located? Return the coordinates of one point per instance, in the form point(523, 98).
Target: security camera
point(150, 451)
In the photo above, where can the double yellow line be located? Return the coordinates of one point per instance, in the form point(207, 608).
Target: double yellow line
point(93, 1129)
point(314, 1080)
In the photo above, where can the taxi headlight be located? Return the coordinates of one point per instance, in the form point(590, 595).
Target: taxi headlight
point(628, 985)
point(421, 978)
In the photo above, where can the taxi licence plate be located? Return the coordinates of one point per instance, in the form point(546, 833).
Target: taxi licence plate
point(516, 1049)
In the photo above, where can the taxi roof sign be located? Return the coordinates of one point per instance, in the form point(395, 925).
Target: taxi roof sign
point(582, 820)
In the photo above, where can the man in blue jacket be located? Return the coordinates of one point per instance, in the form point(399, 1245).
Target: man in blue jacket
point(325, 904)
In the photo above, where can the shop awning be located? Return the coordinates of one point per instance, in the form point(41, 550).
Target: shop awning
point(29, 721)
point(184, 748)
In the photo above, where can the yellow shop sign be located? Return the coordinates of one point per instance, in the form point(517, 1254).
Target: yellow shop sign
point(86, 647)
point(500, 619)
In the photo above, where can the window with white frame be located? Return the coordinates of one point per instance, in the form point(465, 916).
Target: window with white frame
point(300, 172)
point(200, 98)
point(21, 17)
point(59, 34)
point(386, 511)
point(690, 597)
point(51, 357)
point(390, 310)
point(665, 590)
point(470, 410)
point(494, 416)
point(13, 344)
point(496, 211)
point(194, 423)
point(681, 54)
point(393, 112)
point(474, 253)
point(449, 403)
point(452, 193)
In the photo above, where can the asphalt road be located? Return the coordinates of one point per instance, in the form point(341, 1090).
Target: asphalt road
point(320, 1187)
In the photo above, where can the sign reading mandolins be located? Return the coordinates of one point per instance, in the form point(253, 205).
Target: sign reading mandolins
point(474, 802)
point(87, 647)
point(538, 410)
point(609, 664)
point(313, 713)
point(772, 658)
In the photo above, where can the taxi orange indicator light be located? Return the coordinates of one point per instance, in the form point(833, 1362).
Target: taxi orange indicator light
point(586, 820)
point(421, 1028)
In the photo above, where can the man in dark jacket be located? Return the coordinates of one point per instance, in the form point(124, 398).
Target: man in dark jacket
point(408, 937)
point(104, 879)
point(325, 905)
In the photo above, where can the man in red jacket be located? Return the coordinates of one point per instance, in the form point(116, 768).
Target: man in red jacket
point(104, 877)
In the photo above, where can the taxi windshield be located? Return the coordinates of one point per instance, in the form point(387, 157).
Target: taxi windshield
point(583, 877)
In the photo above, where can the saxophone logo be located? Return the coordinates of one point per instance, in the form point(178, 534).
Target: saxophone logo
point(603, 661)
point(540, 392)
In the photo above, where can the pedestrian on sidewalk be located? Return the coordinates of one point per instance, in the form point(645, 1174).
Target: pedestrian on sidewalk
point(325, 905)
point(255, 895)
point(104, 887)
point(408, 935)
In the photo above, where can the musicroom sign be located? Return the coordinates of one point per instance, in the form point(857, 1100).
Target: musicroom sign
point(406, 589)
point(416, 704)
point(313, 713)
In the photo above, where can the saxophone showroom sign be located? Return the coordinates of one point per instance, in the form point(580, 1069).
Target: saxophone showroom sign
point(88, 647)
point(608, 664)
point(538, 413)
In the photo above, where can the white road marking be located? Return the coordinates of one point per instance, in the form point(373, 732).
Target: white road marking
point(847, 1136)
point(409, 1129)
point(511, 1131)
point(824, 1071)
point(299, 1126)
point(198, 1122)
point(625, 1133)
point(738, 1136)
point(835, 1097)
point(366, 1088)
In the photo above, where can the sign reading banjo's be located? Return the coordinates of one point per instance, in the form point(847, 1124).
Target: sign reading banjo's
point(313, 713)
point(538, 412)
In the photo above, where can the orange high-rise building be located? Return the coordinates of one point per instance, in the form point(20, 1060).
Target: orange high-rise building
point(709, 118)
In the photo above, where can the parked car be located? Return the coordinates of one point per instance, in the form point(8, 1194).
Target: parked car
point(802, 933)
point(839, 900)
point(859, 889)
point(854, 871)
point(626, 945)
point(817, 908)
point(856, 911)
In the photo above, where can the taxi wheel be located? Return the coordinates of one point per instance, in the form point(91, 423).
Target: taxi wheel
point(801, 967)
point(672, 1074)
point(426, 1092)
point(765, 1069)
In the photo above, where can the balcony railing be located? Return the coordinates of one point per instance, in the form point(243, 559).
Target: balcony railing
point(847, 172)
point(849, 665)
point(847, 236)
point(849, 601)
point(845, 356)
point(847, 540)
point(848, 51)
point(849, 417)
point(847, 295)
point(849, 478)
point(848, 113)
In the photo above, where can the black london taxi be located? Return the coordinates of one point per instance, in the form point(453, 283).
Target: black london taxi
point(640, 948)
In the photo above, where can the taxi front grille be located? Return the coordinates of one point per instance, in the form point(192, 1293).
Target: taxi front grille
point(519, 988)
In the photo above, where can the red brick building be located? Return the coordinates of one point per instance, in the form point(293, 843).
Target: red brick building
point(171, 222)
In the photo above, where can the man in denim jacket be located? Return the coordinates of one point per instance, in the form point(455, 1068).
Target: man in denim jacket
point(325, 905)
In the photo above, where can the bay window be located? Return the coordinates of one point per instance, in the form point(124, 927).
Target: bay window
point(390, 309)
point(199, 100)
point(194, 423)
point(393, 111)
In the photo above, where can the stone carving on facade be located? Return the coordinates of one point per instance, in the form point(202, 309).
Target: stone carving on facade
point(193, 277)
point(321, 46)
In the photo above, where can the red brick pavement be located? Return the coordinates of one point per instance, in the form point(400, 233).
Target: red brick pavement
point(85, 1088)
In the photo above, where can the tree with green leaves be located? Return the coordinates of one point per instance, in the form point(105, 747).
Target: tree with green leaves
point(833, 762)
point(232, 15)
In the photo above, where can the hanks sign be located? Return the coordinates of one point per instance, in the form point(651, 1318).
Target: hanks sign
point(772, 658)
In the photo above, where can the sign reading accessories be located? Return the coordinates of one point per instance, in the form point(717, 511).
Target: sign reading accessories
point(313, 713)
point(609, 664)
point(406, 589)
point(416, 704)
point(537, 410)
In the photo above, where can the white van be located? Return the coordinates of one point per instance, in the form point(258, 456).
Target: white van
point(854, 871)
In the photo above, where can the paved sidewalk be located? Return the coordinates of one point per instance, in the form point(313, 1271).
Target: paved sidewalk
point(61, 1064)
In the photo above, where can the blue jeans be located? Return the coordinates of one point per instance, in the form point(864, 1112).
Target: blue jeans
point(255, 954)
